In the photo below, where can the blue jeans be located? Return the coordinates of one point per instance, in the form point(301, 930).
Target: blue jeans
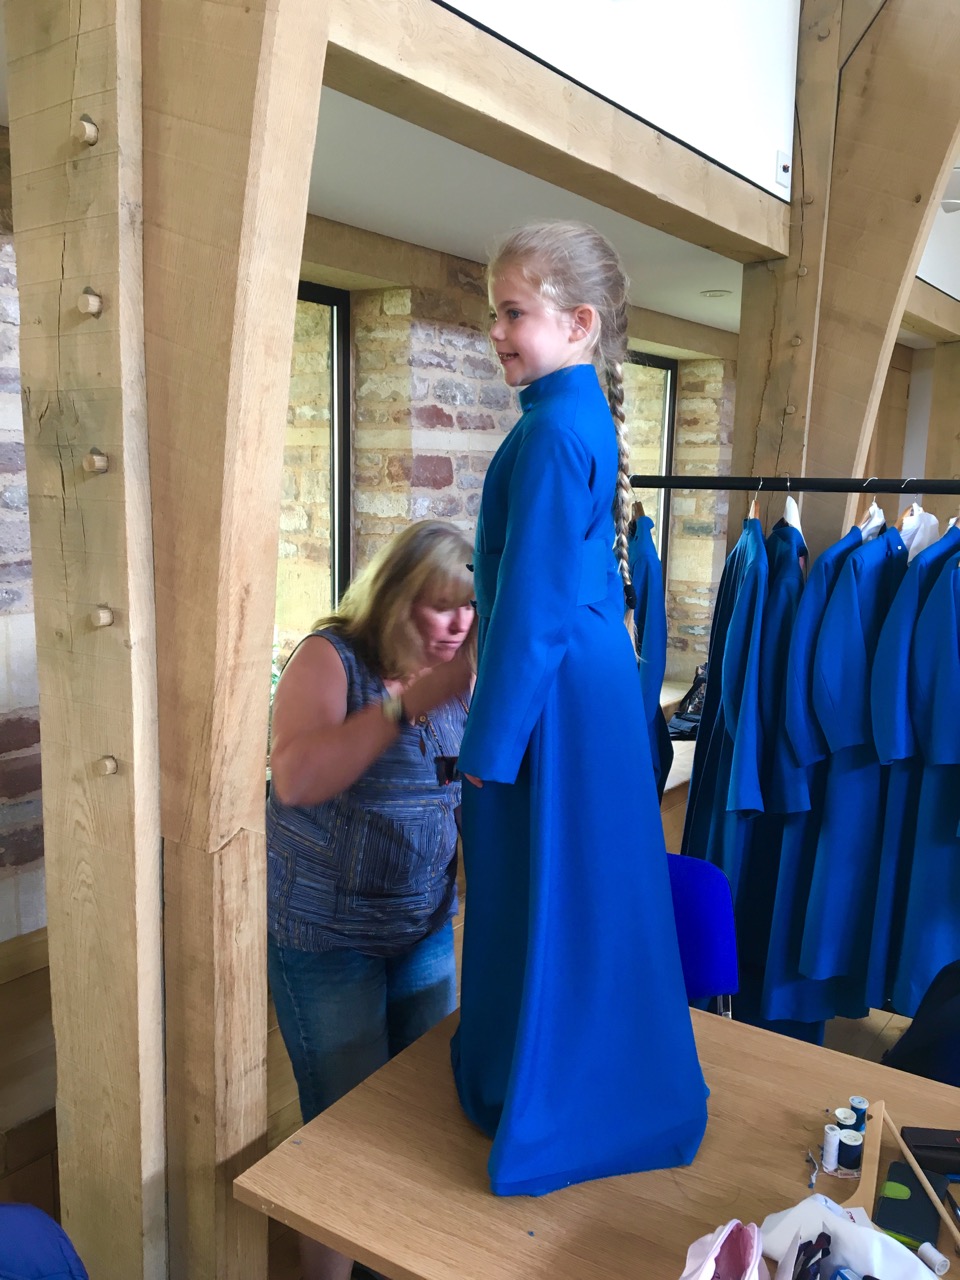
point(342, 1015)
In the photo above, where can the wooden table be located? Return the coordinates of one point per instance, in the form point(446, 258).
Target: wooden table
point(395, 1176)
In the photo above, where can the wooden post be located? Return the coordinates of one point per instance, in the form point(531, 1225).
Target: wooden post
point(779, 310)
point(885, 454)
point(898, 129)
point(943, 436)
point(78, 234)
point(230, 97)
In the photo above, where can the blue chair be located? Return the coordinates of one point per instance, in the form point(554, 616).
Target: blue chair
point(33, 1245)
point(703, 909)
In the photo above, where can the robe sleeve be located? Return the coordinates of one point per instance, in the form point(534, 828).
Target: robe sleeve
point(740, 689)
point(549, 514)
point(935, 671)
point(889, 696)
point(841, 689)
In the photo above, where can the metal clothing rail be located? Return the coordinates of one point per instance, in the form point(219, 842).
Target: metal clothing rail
point(799, 484)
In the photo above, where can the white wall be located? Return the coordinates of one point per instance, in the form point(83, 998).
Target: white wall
point(940, 264)
point(720, 77)
point(918, 414)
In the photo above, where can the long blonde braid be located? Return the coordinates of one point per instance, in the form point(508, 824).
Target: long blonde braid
point(624, 495)
point(571, 263)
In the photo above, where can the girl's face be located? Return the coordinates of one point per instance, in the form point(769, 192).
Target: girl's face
point(531, 337)
point(442, 627)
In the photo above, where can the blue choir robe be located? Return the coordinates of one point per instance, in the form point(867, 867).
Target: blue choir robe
point(725, 784)
point(787, 993)
point(931, 930)
point(575, 1049)
point(783, 781)
point(650, 620)
point(896, 746)
point(839, 919)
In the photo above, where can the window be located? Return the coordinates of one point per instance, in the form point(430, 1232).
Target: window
point(314, 547)
point(650, 394)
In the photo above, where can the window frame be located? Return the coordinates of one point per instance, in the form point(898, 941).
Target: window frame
point(341, 406)
point(672, 368)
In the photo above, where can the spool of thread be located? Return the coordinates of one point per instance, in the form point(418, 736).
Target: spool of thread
point(846, 1119)
point(851, 1149)
point(934, 1259)
point(859, 1107)
point(831, 1147)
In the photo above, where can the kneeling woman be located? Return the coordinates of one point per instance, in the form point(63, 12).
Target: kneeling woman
point(361, 825)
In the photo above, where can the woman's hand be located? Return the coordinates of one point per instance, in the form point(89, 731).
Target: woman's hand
point(477, 782)
point(441, 683)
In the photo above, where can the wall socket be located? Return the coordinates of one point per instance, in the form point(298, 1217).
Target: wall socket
point(783, 169)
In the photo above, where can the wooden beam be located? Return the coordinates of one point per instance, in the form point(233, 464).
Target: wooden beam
point(858, 16)
point(779, 310)
point(932, 312)
point(230, 102)
point(885, 455)
point(349, 257)
point(943, 434)
point(898, 129)
point(78, 226)
point(680, 339)
point(421, 62)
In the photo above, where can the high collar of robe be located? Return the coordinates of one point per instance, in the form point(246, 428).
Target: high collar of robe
point(561, 382)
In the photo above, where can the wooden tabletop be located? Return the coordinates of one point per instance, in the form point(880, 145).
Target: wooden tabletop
point(395, 1176)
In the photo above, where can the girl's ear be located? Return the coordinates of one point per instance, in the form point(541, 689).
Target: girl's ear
point(584, 322)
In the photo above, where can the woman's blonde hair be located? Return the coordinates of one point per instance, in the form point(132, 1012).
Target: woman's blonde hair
point(427, 561)
point(572, 264)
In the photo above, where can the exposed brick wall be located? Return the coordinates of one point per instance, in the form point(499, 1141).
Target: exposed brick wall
point(698, 518)
point(430, 405)
point(22, 906)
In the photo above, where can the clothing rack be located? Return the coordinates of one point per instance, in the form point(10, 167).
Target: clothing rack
point(799, 484)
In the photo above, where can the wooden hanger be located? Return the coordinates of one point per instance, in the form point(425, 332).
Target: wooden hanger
point(638, 511)
point(754, 512)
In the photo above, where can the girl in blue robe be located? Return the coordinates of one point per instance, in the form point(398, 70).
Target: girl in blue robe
point(931, 931)
point(575, 1050)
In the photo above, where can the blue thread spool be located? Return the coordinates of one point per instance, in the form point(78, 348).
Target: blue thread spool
point(851, 1149)
point(859, 1107)
point(845, 1118)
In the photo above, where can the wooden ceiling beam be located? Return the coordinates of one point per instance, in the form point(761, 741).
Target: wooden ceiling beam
point(858, 16)
point(780, 303)
point(898, 128)
point(427, 65)
point(932, 312)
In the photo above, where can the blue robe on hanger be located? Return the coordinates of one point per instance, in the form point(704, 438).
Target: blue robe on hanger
point(787, 993)
point(931, 931)
point(783, 781)
point(896, 746)
point(575, 1049)
point(725, 784)
point(839, 920)
point(650, 620)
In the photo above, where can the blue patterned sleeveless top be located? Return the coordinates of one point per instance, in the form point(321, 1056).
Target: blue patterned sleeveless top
point(374, 868)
